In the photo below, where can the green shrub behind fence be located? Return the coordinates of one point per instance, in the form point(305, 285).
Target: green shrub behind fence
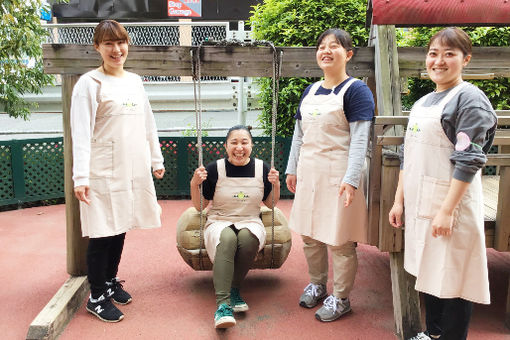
point(33, 170)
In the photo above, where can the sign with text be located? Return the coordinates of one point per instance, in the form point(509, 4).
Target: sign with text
point(185, 8)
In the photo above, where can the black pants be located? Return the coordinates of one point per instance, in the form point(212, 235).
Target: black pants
point(103, 257)
point(448, 317)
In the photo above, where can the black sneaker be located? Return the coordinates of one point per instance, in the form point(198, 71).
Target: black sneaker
point(115, 291)
point(104, 309)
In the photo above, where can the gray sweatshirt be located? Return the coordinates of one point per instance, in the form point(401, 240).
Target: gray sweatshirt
point(470, 112)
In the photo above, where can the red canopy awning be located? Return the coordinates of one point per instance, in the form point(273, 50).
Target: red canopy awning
point(440, 12)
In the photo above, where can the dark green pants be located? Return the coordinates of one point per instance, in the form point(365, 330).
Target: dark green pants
point(234, 256)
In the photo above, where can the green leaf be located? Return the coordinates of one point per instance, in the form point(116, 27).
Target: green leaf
point(21, 36)
point(299, 23)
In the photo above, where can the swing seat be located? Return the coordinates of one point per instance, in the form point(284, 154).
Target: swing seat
point(188, 240)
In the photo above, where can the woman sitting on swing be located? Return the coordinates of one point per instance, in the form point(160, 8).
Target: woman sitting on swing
point(234, 232)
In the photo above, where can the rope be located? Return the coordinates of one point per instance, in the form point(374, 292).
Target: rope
point(274, 110)
point(196, 63)
point(198, 116)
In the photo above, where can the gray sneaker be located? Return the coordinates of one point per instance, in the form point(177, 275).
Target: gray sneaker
point(312, 295)
point(332, 309)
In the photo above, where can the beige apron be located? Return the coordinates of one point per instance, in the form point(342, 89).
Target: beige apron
point(447, 266)
point(318, 212)
point(236, 201)
point(122, 191)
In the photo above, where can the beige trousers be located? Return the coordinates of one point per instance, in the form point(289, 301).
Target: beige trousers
point(345, 264)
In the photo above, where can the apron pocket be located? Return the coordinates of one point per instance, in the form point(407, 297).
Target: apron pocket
point(431, 194)
point(335, 181)
point(101, 160)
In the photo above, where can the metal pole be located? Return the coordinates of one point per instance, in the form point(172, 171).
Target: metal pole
point(241, 112)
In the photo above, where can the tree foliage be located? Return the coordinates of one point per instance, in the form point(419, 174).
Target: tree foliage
point(299, 23)
point(497, 90)
point(21, 66)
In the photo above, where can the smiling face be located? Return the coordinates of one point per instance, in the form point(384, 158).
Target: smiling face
point(238, 147)
point(114, 54)
point(111, 41)
point(331, 56)
point(445, 65)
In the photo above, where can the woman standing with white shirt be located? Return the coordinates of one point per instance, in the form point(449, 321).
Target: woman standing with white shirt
point(115, 142)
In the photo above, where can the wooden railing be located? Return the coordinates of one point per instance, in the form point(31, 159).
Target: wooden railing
point(384, 178)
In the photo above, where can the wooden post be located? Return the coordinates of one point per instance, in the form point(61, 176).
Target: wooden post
point(185, 39)
point(502, 232)
point(406, 301)
point(386, 70)
point(76, 244)
point(390, 239)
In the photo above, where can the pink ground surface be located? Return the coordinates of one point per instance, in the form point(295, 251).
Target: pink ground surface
point(171, 301)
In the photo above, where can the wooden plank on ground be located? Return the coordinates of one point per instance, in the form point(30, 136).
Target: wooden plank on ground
point(52, 320)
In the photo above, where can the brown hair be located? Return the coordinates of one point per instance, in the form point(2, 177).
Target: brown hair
point(239, 127)
point(110, 30)
point(341, 36)
point(453, 37)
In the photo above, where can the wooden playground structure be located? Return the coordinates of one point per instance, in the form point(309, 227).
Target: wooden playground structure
point(381, 64)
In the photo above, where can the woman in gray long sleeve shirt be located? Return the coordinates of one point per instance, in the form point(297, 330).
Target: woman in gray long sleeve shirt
point(324, 170)
point(448, 133)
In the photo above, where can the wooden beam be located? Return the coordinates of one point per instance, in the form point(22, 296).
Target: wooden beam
point(256, 61)
point(503, 119)
point(57, 313)
point(485, 60)
point(502, 160)
point(76, 244)
point(397, 140)
point(246, 61)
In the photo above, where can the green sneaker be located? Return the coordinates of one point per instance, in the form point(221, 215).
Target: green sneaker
point(237, 302)
point(224, 317)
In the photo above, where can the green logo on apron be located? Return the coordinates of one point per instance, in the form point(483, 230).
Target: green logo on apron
point(414, 128)
point(241, 195)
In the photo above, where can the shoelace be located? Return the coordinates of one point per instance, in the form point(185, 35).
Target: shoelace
point(331, 302)
point(421, 336)
point(117, 283)
point(225, 310)
point(235, 296)
point(312, 289)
